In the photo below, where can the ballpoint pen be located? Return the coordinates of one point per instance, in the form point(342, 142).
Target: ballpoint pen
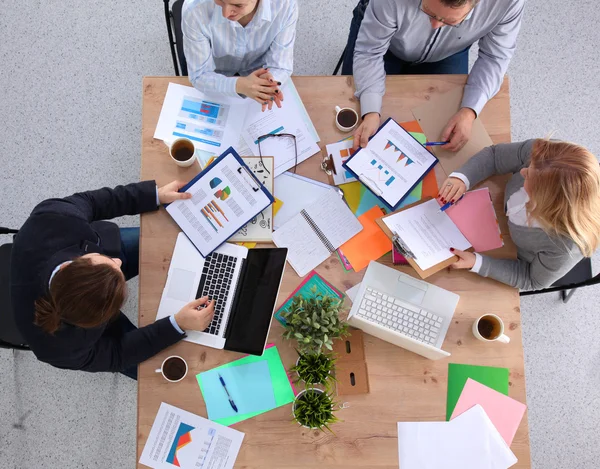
point(233, 406)
point(446, 206)
point(435, 144)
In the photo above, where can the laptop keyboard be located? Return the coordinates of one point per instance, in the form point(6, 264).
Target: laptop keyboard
point(399, 316)
point(215, 283)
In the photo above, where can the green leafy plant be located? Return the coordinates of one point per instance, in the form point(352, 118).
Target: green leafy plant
point(314, 368)
point(314, 408)
point(314, 322)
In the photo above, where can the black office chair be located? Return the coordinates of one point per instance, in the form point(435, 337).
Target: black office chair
point(173, 20)
point(579, 276)
point(357, 14)
point(10, 337)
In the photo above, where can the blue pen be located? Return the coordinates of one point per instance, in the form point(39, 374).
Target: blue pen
point(445, 207)
point(233, 406)
point(435, 144)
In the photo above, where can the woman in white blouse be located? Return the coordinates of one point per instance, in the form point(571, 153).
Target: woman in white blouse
point(240, 47)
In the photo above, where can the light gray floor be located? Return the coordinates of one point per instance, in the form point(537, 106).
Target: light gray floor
point(70, 106)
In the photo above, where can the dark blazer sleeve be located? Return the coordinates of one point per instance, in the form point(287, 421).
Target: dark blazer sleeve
point(115, 353)
point(105, 203)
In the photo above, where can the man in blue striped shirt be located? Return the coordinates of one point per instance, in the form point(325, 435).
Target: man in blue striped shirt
point(240, 47)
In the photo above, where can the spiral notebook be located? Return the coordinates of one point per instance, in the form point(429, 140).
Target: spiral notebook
point(317, 231)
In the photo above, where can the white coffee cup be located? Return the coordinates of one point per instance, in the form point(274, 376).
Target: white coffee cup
point(490, 328)
point(342, 112)
point(171, 372)
point(179, 145)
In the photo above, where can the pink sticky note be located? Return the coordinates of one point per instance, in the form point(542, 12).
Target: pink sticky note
point(504, 412)
point(475, 218)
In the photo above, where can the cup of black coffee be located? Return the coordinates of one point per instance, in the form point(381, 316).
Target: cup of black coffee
point(182, 151)
point(173, 369)
point(490, 328)
point(346, 118)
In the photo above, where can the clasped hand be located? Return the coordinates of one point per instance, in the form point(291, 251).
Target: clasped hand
point(262, 87)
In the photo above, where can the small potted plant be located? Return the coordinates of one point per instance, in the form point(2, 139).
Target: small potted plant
point(314, 368)
point(314, 408)
point(314, 322)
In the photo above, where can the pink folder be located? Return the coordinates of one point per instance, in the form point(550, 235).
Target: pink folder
point(504, 412)
point(475, 217)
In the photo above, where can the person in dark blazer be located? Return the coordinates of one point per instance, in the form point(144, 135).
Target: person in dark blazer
point(69, 270)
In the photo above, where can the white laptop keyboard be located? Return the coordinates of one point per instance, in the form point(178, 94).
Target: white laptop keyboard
point(399, 316)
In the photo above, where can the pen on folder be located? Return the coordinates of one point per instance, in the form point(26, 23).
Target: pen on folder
point(233, 406)
point(446, 206)
point(435, 144)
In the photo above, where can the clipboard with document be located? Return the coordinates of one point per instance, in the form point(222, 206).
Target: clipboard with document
point(225, 197)
point(392, 164)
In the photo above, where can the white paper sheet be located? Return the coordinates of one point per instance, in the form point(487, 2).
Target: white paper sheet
point(296, 192)
point(316, 232)
point(340, 152)
point(223, 200)
point(181, 439)
point(290, 118)
point(471, 443)
point(212, 122)
point(392, 163)
point(428, 233)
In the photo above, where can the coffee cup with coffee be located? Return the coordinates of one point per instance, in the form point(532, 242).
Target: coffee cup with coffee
point(346, 118)
point(173, 369)
point(490, 328)
point(182, 151)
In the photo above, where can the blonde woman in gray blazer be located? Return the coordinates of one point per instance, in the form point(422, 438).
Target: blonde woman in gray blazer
point(553, 206)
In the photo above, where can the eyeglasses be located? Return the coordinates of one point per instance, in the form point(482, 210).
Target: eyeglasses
point(262, 138)
point(443, 20)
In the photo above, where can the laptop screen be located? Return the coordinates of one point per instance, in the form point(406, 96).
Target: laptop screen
point(253, 309)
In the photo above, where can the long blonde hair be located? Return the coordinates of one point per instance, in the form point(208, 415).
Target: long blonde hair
point(564, 186)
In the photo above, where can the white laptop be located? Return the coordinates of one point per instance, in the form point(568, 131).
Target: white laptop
point(244, 284)
point(404, 311)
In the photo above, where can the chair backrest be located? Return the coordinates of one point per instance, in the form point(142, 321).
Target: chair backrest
point(10, 337)
point(173, 20)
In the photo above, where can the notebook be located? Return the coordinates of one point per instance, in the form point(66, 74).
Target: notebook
point(505, 413)
point(316, 232)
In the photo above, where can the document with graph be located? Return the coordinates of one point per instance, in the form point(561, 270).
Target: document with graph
point(225, 197)
point(212, 122)
point(181, 439)
point(392, 164)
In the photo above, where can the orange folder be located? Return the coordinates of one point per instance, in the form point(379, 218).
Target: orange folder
point(368, 245)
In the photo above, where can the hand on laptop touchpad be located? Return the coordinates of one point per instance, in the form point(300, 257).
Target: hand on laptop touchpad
point(180, 284)
point(410, 293)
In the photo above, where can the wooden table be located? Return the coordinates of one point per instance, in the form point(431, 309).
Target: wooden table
point(404, 386)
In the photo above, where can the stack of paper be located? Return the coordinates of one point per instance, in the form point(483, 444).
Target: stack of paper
point(469, 441)
point(256, 385)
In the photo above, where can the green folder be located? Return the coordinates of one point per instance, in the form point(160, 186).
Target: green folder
point(492, 377)
point(282, 387)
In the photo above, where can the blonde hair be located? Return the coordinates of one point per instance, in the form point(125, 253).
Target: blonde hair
point(564, 186)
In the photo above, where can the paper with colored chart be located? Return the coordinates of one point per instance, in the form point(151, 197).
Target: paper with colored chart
point(339, 152)
point(505, 413)
point(181, 439)
point(392, 163)
point(249, 386)
point(368, 245)
point(312, 280)
point(280, 382)
point(289, 119)
point(225, 196)
point(493, 377)
point(212, 122)
point(260, 227)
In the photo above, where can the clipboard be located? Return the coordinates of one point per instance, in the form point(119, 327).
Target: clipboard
point(370, 187)
point(211, 225)
point(422, 273)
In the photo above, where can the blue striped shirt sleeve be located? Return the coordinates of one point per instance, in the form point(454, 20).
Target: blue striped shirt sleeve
point(280, 56)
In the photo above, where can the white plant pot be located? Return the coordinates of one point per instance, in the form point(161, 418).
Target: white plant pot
point(294, 407)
